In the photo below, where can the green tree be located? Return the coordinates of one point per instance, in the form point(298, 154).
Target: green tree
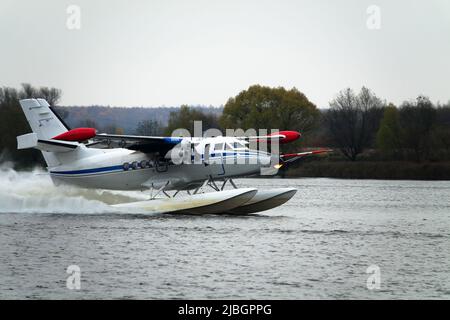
point(388, 135)
point(184, 119)
point(261, 107)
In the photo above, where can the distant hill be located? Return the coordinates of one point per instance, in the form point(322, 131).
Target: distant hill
point(127, 118)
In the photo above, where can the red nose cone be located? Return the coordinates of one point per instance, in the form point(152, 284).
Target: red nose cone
point(79, 134)
point(289, 136)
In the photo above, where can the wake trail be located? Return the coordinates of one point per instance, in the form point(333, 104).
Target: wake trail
point(34, 192)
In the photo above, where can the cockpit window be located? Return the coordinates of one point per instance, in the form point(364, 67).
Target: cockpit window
point(218, 147)
point(228, 146)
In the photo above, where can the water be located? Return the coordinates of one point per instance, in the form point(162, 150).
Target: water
point(318, 245)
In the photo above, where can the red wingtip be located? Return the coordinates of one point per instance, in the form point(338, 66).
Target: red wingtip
point(289, 136)
point(78, 134)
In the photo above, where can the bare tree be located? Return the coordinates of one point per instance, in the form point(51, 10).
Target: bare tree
point(52, 95)
point(149, 128)
point(28, 91)
point(416, 122)
point(353, 121)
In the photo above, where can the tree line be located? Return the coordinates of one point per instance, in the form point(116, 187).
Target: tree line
point(417, 130)
point(13, 123)
point(358, 125)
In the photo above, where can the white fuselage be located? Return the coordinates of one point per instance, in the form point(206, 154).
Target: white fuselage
point(73, 162)
point(124, 169)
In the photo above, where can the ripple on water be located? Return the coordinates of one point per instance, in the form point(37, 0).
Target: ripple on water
point(318, 245)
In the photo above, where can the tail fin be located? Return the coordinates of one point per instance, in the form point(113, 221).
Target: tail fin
point(42, 119)
point(45, 123)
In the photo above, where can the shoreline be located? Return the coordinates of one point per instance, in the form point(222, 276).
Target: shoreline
point(341, 169)
point(374, 170)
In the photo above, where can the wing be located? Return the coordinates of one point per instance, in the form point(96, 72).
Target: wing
point(145, 144)
point(290, 157)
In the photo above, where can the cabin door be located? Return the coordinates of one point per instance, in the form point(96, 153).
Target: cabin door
point(214, 159)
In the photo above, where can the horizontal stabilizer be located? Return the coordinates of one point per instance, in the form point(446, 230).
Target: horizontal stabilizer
point(27, 141)
point(31, 140)
point(56, 146)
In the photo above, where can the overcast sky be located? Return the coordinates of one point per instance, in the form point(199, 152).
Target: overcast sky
point(155, 53)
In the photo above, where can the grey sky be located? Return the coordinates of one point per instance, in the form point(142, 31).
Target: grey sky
point(203, 52)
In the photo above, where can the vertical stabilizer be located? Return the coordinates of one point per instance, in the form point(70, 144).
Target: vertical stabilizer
point(44, 123)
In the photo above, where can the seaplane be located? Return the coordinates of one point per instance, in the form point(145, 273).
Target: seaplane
point(176, 171)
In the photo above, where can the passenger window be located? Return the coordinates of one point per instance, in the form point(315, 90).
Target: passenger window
point(239, 145)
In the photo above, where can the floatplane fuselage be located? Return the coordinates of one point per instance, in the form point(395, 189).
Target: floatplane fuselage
point(86, 159)
point(124, 169)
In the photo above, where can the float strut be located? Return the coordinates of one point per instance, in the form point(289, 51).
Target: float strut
point(212, 184)
point(153, 196)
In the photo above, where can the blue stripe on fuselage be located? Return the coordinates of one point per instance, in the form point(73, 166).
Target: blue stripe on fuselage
point(120, 167)
point(93, 170)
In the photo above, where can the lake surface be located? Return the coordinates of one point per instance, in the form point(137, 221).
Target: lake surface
point(318, 245)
